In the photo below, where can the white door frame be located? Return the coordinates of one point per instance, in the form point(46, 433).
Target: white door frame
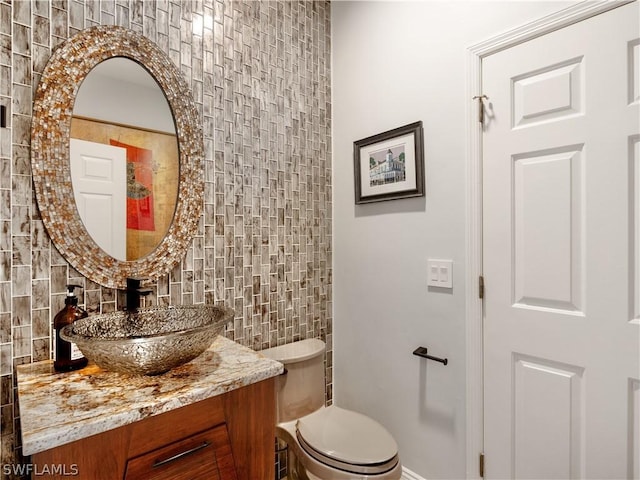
point(474, 315)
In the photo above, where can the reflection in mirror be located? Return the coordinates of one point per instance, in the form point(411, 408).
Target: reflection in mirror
point(53, 109)
point(124, 159)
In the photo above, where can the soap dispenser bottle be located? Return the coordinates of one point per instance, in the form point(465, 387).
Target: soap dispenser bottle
point(68, 355)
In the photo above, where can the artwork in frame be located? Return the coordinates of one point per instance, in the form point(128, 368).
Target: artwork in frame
point(390, 165)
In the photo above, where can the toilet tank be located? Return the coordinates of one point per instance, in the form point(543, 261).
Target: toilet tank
point(301, 389)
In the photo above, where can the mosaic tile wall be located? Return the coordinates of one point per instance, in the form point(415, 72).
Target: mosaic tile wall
point(260, 74)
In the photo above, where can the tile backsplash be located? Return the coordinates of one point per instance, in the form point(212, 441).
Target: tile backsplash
point(260, 76)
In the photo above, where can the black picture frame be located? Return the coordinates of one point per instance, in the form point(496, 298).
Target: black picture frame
point(390, 165)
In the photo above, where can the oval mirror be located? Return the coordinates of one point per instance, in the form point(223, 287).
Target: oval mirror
point(58, 101)
point(123, 155)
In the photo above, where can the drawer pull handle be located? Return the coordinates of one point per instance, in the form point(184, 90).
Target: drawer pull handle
point(160, 463)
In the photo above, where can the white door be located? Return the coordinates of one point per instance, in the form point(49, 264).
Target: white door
point(561, 262)
point(99, 179)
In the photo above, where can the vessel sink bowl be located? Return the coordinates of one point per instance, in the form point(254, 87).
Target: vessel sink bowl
point(152, 340)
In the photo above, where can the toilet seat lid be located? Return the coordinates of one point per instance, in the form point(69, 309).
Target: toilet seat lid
point(347, 436)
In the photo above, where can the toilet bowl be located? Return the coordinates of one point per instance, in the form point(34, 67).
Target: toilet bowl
point(337, 444)
point(326, 443)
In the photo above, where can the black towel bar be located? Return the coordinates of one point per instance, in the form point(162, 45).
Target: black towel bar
point(422, 352)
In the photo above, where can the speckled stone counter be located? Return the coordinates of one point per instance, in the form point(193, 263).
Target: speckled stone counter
point(57, 408)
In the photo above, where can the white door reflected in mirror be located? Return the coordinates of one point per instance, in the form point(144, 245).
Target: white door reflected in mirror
point(99, 179)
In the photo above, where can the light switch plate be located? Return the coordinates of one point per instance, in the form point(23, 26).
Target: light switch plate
point(440, 273)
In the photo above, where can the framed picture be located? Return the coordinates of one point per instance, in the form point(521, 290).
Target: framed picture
point(390, 165)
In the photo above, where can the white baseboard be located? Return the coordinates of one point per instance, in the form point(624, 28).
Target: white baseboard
point(409, 475)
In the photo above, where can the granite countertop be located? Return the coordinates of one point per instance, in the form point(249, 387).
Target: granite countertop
point(58, 408)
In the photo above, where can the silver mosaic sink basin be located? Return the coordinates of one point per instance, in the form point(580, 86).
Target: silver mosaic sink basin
point(150, 341)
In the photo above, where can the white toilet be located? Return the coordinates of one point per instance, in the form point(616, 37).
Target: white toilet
point(326, 443)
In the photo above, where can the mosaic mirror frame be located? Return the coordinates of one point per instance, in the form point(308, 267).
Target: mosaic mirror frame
point(69, 64)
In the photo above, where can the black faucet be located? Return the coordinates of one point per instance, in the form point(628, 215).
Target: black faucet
point(134, 292)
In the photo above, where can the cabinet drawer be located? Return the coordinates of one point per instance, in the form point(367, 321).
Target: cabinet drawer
point(160, 430)
point(203, 456)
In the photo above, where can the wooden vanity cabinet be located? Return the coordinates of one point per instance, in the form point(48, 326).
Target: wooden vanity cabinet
point(227, 437)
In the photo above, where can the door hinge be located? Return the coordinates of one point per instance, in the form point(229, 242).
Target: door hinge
point(481, 465)
point(481, 286)
point(480, 99)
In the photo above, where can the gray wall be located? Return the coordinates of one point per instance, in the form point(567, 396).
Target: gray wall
point(397, 62)
point(260, 74)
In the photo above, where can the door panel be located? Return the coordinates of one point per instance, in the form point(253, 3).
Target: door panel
point(560, 253)
point(634, 250)
point(634, 429)
point(557, 416)
point(547, 237)
point(634, 71)
point(99, 177)
point(552, 93)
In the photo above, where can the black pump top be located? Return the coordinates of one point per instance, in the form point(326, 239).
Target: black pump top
point(71, 296)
